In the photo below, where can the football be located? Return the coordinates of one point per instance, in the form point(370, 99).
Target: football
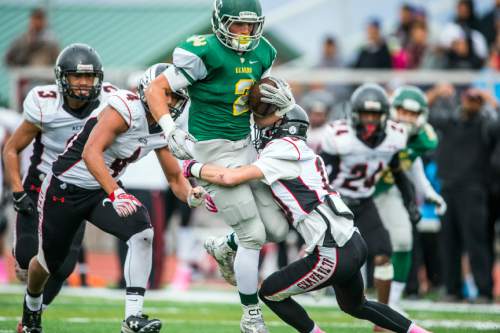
point(260, 109)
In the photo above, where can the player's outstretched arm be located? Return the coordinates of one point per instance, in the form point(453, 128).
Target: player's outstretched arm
point(21, 138)
point(109, 126)
point(170, 166)
point(158, 103)
point(220, 175)
point(406, 188)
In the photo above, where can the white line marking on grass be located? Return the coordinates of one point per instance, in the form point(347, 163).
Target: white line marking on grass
point(229, 297)
point(464, 324)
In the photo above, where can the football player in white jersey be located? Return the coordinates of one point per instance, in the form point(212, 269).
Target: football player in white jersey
point(84, 185)
point(335, 249)
point(356, 153)
point(52, 115)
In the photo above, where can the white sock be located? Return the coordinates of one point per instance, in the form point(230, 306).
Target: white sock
point(133, 305)
point(246, 269)
point(396, 294)
point(34, 303)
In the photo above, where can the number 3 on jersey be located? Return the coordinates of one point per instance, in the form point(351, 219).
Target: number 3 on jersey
point(242, 89)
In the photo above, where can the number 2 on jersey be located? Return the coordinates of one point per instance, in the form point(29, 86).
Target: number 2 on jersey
point(242, 89)
point(359, 172)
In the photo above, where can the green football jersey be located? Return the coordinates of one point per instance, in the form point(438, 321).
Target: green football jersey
point(425, 140)
point(220, 80)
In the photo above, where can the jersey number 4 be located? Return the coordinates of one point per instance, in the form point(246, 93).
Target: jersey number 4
point(359, 172)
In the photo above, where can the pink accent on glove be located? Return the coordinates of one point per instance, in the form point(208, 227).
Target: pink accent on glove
point(210, 204)
point(186, 168)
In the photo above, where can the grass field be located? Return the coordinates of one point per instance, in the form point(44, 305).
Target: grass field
point(93, 314)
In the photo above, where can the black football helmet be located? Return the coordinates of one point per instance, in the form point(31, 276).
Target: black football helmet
point(369, 98)
point(294, 123)
point(149, 75)
point(79, 58)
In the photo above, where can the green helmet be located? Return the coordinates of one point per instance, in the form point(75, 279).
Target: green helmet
point(228, 12)
point(410, 98)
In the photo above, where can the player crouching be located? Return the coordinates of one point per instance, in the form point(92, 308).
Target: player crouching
point(336, 250)
point(84, 185)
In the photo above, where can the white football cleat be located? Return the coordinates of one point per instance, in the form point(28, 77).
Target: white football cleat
point(252, 320)
point(224, 255)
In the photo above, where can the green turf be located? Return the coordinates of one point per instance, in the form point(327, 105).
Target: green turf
point(74, 314)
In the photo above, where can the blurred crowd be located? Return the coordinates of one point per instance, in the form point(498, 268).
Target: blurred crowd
point(453, 255)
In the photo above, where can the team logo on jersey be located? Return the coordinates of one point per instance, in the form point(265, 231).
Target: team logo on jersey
point(143, 141)
point(76, 128)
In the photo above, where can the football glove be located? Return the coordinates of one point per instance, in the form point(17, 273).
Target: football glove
point(125, 204)
point(196, 196)
point(23, 203)
point(210, 204)
point(280, 96)
point(438, 200)
point(177, 143)
point(413, 213)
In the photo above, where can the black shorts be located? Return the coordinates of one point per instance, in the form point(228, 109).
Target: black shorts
point(327, 266)
point(63, 207)
point(369, 223)
point(26, 229)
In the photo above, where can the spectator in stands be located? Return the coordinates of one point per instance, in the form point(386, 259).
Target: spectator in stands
point(417, 48)
point(329, 57)
point(406, 19)
point(465, 182)
point(466, 15)
point(375, 54)
point(464, 48)
point(490, 23)
point(36, 47)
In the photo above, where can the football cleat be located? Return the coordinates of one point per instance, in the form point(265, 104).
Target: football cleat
point(224, 255)
point(31, 321)
point(140, 324)
point(252, 320)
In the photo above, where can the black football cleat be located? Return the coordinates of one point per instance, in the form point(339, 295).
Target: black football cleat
point(31, 321)
point(141, 324)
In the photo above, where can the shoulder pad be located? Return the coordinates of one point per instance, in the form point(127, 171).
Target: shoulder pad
point(41, 104)
point(397, 134)
point(287, 148)
point(107, 90)
point(127, 104)
point(338, 138)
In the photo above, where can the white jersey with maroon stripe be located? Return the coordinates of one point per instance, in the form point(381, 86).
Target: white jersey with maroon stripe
point(299, 184)
point(128, 147)
point(44, 107)
point(360, 165)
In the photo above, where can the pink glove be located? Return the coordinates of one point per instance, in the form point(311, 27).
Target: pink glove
point(124, 203)
point(210, 204)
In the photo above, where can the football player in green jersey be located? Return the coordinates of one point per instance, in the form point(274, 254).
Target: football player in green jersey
point(218, 71)
point(410, 108)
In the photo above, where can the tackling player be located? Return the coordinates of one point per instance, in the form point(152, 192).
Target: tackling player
point(52, 115)
point(409, 108)
point(356, 153)
point(83, 185)
point(218, 70)
point(335, 249)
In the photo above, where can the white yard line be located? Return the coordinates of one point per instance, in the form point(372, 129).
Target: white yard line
point(464, 324)
point(229, 297)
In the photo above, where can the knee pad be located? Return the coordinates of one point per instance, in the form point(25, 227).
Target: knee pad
point(145, 236)
point(384, 272)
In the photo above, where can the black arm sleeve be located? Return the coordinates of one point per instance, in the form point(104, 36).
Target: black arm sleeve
point(402, 182)
point(332, 164)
